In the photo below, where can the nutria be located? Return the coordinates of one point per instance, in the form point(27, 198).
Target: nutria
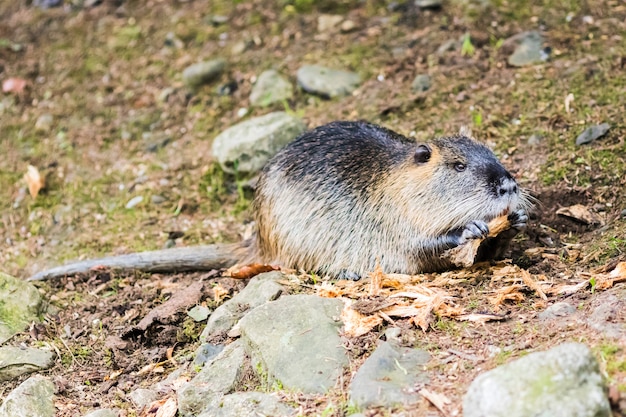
point(348, 195)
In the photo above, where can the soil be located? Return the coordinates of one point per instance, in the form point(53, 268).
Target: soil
point(124, 125)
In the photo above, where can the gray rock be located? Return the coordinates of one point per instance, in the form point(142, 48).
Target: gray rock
point(104, 412)
point(44, 123)
point(141, 397)
point(562, 382)
point(389, 376)
point(560, 309)
point(199, 313)
point(203, 72)
point(328, 22)
point(206, 352)
point(592, 133)
point(133, 202)
point(33, 398)
point(250, 144)
point(270, 88)
point(428, 4)
point(15, 361)
point(21, 304)
point(260, 290)
point(421, 83)
point(529, 49)
point(535, 139)
point(603, 317)
point(245, 404)
point(449, 45)
point(327, 82)
point(296, 339)
point(157, 199)
point(623, 214)
point(216, 378)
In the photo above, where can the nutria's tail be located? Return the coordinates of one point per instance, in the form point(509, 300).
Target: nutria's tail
point(193, 258)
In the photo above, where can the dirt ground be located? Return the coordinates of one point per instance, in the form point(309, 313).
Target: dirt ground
point(124, 125)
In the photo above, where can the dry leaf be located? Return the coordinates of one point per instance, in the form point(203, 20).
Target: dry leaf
point(356, 324)
point(13, 85)
point(169, 409)
point(219, 293)
point(464, 255)
point(249, 271)
point(438, 400)
point(376, 280)
point(34, 180)
point(532, 284)
point(509, 293)
point(580, 213)
point(328, 290)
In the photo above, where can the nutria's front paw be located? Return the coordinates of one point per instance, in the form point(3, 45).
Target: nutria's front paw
point(518, 219)
point(476, 229)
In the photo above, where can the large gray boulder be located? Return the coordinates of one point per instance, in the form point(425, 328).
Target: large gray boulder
point(562, 382)
point(247, 146)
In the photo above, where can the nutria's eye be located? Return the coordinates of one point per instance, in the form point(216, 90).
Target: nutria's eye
point(422, 154)
point(459, 166)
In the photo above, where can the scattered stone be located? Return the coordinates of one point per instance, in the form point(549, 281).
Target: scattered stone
point(199, 313)
point(529, 49)
point(141, 397)
point(296, 340)
point(389, 376)
point(592, 133)
point(15, 361)
point(421, 83)
point(47, 4)
point(20, 305)
point(104, 412)
point(247, 146)
point(270, 88)
point(244, 404)
point(173, 41)
point(157, 199)
point(327, 82)
point(203, 72)
point(133, 202)
point(217, 19)
point(33, 397)
point(535, 139)
point(623, 214)
point(428, 4)
point(44, 123)
point(216, 378)
point(240, 47)
point(604, 316)
point(562, 382)
point(206, 352)
point(327, 22)
point(348, 26)
point(449, 45)
point(556, 310)
point(260, 290)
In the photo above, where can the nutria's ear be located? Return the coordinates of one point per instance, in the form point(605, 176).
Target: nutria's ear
point(422, 154)
point(466, 131)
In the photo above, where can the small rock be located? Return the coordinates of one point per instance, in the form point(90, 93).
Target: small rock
point(206, 352)
point(327, 22)
point(44, 123)
point(623, 214)
point(388, 376)
point(449, 45)
point(421, 83)
point(529, 49)
point(199, 313)
point(327, 82)
point(15, 361)
point(270, 88)
point(216, 378)
point(247, 146)
point(104, 412)
point(296, 339)
point(33, 397)
point(132, 203)
point(592, 133)
point(217, 19)
point(428, 4)
point(603, 316)
point(560, 309)
point(227, 89)
point(347, 26)
point(141, 397)
point(203, 72)
point(47, 4)
point(21, 304)
point(240, 47)
point(562, 382)
point(535, 139)
point(245, 404)
point(157, 199)
point(260, 290)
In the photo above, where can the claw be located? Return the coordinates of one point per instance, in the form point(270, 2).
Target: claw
point(518, 219)
point(476, 229)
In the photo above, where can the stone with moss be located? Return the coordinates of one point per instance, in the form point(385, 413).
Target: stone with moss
point(270, 87)
point(20, 304)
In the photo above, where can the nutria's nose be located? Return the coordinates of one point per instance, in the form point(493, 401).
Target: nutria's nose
point(507, 186)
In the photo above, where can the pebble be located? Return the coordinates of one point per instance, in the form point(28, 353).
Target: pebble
point(529, 49)
point(592, 133)
point(421, 83)
point(535, 139)
point(327, 82)
point(348, 26)
point(157, 199)
point(564, 381)
point(270, 88)
point(44, 123)
point(133, 202)
point(203, 72)
point(248, 145)
point(623, 214)
point(327, 22)
point(556, 310)
point(199, 313)
point(428, 4)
